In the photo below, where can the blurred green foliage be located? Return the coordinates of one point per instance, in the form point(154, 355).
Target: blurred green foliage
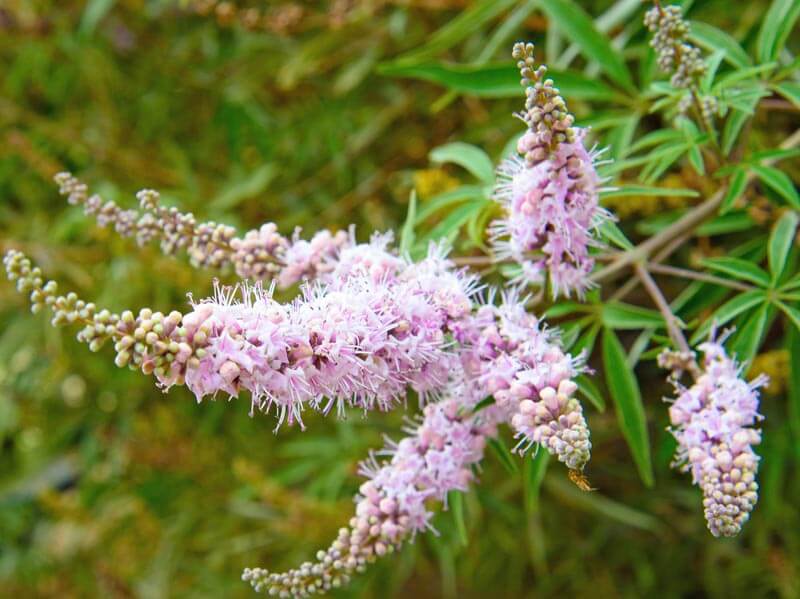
point(109, 488)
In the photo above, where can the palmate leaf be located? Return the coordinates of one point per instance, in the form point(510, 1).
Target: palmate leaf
point(728, 311)
point(780, 242)
point(579, 28)
point(738, 269)
point(467, 156)
point(628, 402)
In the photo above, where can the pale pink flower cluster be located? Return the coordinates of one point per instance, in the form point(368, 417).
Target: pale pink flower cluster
point(519, 362)
point(304, 260)
point(713, 423)
point(349, 342)
point(394, 504)
point(551, 211)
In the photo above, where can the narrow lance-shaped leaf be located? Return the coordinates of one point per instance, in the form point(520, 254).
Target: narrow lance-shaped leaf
point(534, 470)
point(793, 342)
point(503, 454)
point(728, 311)
point(577, 25)
point(617, 315)
point(628, 402)
point(735, 189)
point(590, 391)
point(457, 29)
point(748, 339)
point(455, 501)
point(467, 156)
point(780, 242)
point(738, 269)
point(792, 313)
point(779, 182)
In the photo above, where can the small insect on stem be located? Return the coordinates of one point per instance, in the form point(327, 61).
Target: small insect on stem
point(580, 480)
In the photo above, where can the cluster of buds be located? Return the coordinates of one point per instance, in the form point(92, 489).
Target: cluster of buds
point(392, 506)
point(677, 56)
point(551, 213)
point(531, 378)
point(546, 115)
point(260, 254)
point(152, 342)
point(550, 196)
point(712, 421)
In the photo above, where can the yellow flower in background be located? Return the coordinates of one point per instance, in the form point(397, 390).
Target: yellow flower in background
point(774, 364)
point(430, 182)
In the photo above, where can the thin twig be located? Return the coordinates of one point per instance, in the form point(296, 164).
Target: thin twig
point(686, 273)
point(673, 324)
point(686, 224)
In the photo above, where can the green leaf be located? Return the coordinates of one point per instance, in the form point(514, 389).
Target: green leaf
point(503, 454)
point(448, 198)
point(455, 501)
point(499, 80)
point(747, 341)
point(793, 342)
point(728, 311)
point(93, 13)
point(617, 315)
point(733, 222)
point(585, 344)
point(735, 189)
point(591, 392)
point(240, 190)
point(407, 236)
point(792, 313)
point(563, 309)
point(609, 230)
point(628, 402)
point(596, 503)
point(733, 126)
point(648, 190)
point(775, 28)
point(779, 182)
point(738, 269)
point(451, 224)
point(780, 242)
point(791, 91)
point(467, 156)
point(577, 25)
point(534, 470)
point(466, 23)
point(712, 38)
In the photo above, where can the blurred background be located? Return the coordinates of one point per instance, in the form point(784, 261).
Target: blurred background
point(308, 114)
